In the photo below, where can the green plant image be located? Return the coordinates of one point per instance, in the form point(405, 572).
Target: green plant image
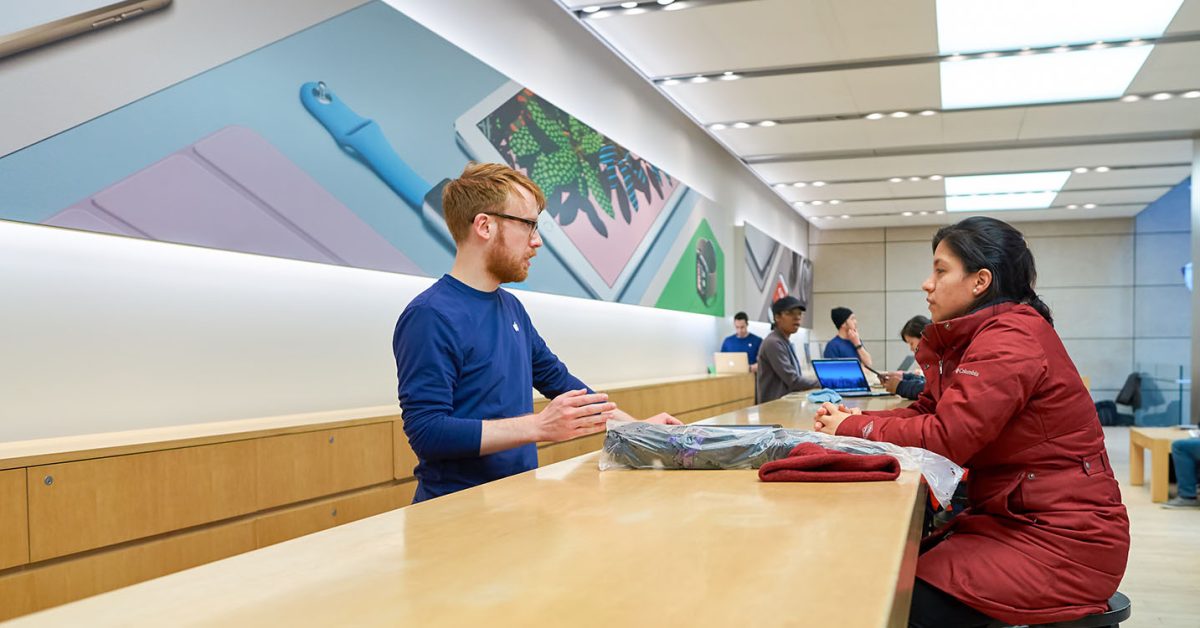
point(579, 169)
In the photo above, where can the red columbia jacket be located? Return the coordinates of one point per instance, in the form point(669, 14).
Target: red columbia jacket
point(1046, 537)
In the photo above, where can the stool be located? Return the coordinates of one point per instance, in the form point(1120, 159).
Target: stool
point(1119, 610)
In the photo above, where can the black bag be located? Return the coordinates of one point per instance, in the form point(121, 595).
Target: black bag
point(1107, 411)
point(1131, 392)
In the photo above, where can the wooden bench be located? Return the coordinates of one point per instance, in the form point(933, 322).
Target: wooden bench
point(1158, 440)
point(86, 514)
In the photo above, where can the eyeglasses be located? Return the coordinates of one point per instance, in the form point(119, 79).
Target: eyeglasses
point(533, 224)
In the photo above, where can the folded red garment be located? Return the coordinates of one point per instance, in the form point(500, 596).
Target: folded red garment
point(809, 462)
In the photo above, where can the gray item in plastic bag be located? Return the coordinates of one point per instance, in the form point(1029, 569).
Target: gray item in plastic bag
point(640, 445)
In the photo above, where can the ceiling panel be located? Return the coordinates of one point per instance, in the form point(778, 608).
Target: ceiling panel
point(769, 33)
point(838, 60)
point(1169, 67)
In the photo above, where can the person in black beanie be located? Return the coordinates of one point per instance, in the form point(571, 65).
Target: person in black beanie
point(846, 344)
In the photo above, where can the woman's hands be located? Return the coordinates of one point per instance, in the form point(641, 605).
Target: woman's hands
point(829, 417)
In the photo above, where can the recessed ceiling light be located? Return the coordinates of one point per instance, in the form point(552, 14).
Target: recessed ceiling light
point(895, 179)
point(981, 26)
point(1080, 170)
point(940, 212)
point(717, 127)
point(1025, 52)
point(1162, 96)
point(905, 213)
point(699, 78)
point(1131, 98)
point(818, 184)
point(1061, 49)
point(1195, 93)
point(799, 184)
point(629, 5)
point(845, 216)
point(1089, 206)
point(1072, 206)
point(798, 203)
point(767, 123)
point(1082, 75)
point(741, 125)
point(818, 203)
point(671, 81)
point(779, 186)
point(835, 202)
point(955, 57)
point(899, 114)
point(874, 116)
point(1098, 46)
point(914, 178)
point(989, 55)
point(730, 76)
point(1102, 168)
point(634, 11)
point(929, 112)
point(601, 15)
point(591, 9)
point(923, 213)
point(665, 2)
point(935, 177)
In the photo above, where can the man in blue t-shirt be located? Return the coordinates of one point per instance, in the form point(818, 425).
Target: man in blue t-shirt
point(468, 357)
point(847, 343)
point(742, 341)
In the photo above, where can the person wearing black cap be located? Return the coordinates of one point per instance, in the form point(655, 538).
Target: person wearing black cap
point(846, 344)
point(778, 366)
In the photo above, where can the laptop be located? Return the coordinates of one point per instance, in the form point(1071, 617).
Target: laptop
point(845, 375)
point(732, 362)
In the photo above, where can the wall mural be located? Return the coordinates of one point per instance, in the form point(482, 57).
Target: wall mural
point(772, 271)
point(333, 145)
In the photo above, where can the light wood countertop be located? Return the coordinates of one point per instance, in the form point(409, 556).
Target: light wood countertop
point(568, 544)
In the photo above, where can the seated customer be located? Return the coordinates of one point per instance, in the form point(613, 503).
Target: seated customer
point(742, 341)
point(778, 366)
point(847, 343)
point(1186, 454)
point(907, 385)
point(1046, 538)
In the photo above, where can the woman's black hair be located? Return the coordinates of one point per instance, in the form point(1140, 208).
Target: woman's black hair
point(981, 242)
point(914, 327)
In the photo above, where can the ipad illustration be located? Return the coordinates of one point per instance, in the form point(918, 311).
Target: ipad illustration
point(234, 190)
point(608, 205)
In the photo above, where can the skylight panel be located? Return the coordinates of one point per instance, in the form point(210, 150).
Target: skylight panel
point(1017, 80)
point(993, 192)
point(966, 26)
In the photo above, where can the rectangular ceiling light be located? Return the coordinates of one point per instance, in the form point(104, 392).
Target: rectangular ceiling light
point(995, 192)
point(1067, 76)
point(999, 202)
point(966, 26)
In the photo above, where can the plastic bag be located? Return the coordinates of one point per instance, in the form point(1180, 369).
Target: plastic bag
point(639, 445)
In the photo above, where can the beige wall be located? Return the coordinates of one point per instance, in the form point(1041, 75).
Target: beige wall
point(1086, 273)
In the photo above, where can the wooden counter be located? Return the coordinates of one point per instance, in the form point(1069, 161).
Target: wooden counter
point(568, 544)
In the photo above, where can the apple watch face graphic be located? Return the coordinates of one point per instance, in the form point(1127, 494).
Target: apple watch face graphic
point(706, 271)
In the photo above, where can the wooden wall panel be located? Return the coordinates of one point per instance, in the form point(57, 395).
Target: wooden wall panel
point(14, 519)
point(405, 458)
point(296, 467)
point(76, 506)
point(41, 587)
point(291, 523)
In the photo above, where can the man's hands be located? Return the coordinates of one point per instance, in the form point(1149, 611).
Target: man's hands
point(576, 413)
point(852, 333)
point(572, 414)
point(829, 417)
point(890, 380)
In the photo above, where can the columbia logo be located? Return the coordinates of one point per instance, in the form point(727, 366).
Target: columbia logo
point(962, 371)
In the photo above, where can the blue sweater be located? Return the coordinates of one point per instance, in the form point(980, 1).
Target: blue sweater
point(748, 345)
point(840, 348)
point(463, 357)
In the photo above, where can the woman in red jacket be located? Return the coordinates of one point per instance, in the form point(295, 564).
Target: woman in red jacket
point(1046, 537)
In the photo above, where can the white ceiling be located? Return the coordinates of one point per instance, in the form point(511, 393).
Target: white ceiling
point(816, 67)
